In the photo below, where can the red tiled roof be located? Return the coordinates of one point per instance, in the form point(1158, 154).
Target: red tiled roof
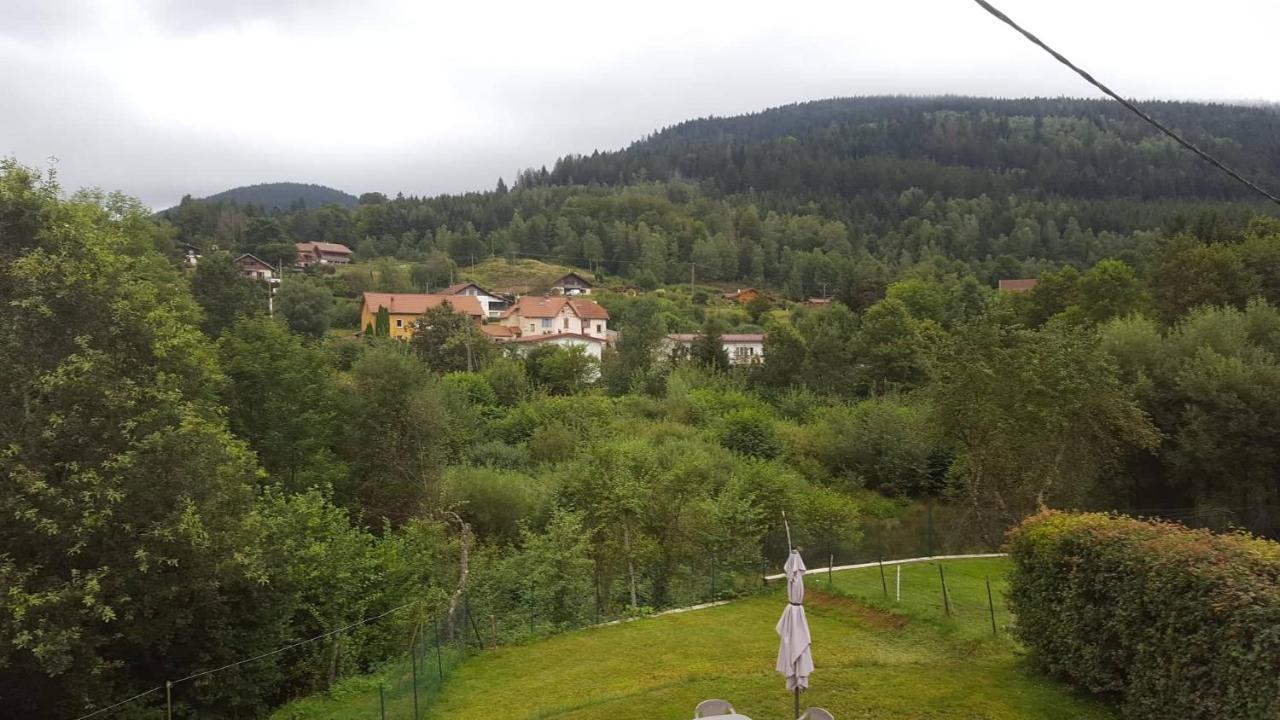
point(326, 247)
point(418, 303)
point(536, 306)
point(1022, 285)
point(500, 332)
point(553, 336)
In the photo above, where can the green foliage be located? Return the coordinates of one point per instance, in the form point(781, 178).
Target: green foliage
point(281, 396)
point(395, 436)
point(560, 370)
point(306, 307)
point(495, 501)
point(750, 432)
point(450, 341)
point(708, 348)
point(1036, 417)
point(223, 293)
point(123, 494)
point(1161, 616)
point(883, 444)
point(382, 323)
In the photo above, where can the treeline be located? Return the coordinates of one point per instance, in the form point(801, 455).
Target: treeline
point(810, 197)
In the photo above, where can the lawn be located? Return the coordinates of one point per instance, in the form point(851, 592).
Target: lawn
point(876, 657)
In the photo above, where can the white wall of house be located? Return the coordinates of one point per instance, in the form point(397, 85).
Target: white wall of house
point(594, 348)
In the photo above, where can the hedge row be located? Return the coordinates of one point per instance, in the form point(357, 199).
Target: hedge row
point(1171, 622)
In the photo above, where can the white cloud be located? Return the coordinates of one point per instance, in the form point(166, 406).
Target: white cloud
point(162, 97)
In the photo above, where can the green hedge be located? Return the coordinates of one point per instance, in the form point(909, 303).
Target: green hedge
point(1174, 623)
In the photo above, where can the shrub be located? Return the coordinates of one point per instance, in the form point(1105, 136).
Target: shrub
point(750, 432)
point(1162, 616)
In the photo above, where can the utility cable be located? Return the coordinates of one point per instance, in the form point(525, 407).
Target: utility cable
point(1135, 109)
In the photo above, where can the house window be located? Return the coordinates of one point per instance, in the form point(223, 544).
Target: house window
point(399, 322)
point(530, 327)
point(599, 328)
point(566, 323)
point(546, 323)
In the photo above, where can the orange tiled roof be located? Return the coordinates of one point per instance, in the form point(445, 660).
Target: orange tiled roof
point(418, 303)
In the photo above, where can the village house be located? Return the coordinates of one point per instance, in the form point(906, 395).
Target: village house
point(742, 348)
point(571, 284)
point(251, 266)
point(537, 315)
point(404, 309)
point(592, 346)
point(494, 304)
point(1018, 286)
point(817, 302)
point(322, 253)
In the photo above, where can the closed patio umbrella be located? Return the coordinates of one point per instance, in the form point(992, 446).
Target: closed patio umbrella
point(795, 662)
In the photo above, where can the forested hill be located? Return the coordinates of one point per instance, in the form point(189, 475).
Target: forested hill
point(283, 196)
point(958, 146)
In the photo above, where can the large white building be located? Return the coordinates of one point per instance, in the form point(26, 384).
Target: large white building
point(742, 348)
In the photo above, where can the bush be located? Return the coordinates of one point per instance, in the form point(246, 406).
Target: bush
point(750, 432)
point(1162, 616)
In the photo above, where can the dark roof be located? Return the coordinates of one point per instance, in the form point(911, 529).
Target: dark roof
point(257, 260)
point(458, 288)
point(581, 280)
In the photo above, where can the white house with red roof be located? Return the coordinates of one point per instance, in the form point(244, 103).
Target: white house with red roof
point(742, 348)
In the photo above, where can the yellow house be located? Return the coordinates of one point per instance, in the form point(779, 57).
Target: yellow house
point(406, 308)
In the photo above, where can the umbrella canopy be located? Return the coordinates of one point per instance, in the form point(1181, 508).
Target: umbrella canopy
point(795, 661)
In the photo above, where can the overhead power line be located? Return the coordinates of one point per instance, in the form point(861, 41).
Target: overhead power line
point(1135, 109)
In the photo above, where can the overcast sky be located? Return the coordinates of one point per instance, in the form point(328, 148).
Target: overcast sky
point(164, 97)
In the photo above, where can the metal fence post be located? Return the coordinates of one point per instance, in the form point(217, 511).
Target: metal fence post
point(946, 602)
point(168, 699)
point(991, 605)
point(382, 703)
point(413, 651)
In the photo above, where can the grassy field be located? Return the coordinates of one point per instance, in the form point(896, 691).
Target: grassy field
point(519, 276)
point(875, 657)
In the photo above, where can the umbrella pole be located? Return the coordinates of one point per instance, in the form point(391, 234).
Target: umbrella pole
point(797, 690)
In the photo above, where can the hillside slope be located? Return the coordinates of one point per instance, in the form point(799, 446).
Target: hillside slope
point(283, 195)
point(955, 145)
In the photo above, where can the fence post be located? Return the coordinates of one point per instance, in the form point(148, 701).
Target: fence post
point(413, 651)
point(493, 630)
point(898, 586)
point(435, 623)
point(764, 572)
point(382, 703)
point(168, 699)
point(831, 562)
point(713, 577)
point(883, 585)
point(946, 602)
point(991, 605)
